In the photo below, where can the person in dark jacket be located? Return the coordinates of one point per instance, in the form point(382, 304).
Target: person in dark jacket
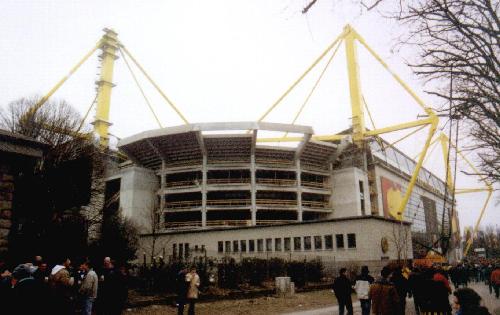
point(384, 296)
point(435, 295)
point(25, 295)
point(401, 284)
point(343, 288)
point(415, 283)
point(181, 290)
point(467, 302)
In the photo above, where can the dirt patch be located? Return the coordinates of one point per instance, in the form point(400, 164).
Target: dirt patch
point(256, 306)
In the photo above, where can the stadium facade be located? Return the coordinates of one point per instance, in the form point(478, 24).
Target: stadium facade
point(215, 190)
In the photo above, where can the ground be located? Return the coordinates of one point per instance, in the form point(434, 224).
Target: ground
point(310, 303)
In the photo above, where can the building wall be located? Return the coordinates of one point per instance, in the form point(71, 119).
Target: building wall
point(138, 188)
point(346, 192)
point(368, 232)
point(6, 196)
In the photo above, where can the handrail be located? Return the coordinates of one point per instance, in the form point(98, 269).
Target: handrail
point(276, 202)
point(228, 181)
point(229, 222)
point(316, 184)
point(192, 182)
point(273, 161)
point(272, 222)
point(315, 204)
point(276, 181)
point(183, 204)
point(229, 202)
point(183, 224)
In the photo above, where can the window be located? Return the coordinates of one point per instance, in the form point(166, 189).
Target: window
point(328, 242)
point(340, 240)
point(228, 246)
point(297, 244)
point(277, 244)
point(220, 247)
point(362, 197)
point(269, 244)
point(186, 250)
point(174, 250)
point(307, 243)
point(243, 246)
point(318, 242)
point(202, 248)
point(260, 245)
point(351, 240)
point(288, 245)
point(196, 248)
point(235, 246)
point(181, 251)
point(251, 245)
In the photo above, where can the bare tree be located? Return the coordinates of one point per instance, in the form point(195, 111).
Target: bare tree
point(401, 239)
point(458, 53)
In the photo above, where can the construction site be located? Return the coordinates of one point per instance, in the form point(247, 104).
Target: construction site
point(230, 189)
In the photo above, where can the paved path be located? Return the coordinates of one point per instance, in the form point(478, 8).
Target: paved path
point(489, 301)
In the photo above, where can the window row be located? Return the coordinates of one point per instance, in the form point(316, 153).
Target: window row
point(287, 244)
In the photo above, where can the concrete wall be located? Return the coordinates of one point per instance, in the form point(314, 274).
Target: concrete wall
point(138, 188)
point(369, 232)
point(346, 192)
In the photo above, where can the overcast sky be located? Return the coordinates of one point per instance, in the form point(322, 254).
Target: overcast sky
point(218, 61)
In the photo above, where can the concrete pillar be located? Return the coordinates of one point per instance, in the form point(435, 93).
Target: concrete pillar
point(161, 195)
point(299, 191)
point(204, 192)
point(253, 191)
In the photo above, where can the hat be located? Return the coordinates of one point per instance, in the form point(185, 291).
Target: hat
point(21, 272)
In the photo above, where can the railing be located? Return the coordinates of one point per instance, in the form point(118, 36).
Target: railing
point(230, 160)
point(276, 181)
point(316, 184)
point(183, 224)
point(218, 181)
point(281, 163)
point(271, 222)
point(183, 204)
point(315, 204)
point(180, 163)
point(183, 183)
point(277, 202)
point(229, 222)
point(229, 202)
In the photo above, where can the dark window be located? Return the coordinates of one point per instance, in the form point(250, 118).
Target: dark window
point(251, 245)
point(181, 251)
point(307, 243)
point(186, 250)
point(228, 246)
point(287, 244)
point(340, 240)
point(203, 248)
point(260, 245)
point(328, 242)
point(351, 240)
point(174, 250)
point(196, 248)
point(235, 246)
point(297, 244)
point(220, 247)
point(362, 197)
point(243, 245)
point(269, 244)
point(318, 242)
point(277, 244)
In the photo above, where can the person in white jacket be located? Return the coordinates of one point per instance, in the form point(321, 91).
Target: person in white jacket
point(362, 287)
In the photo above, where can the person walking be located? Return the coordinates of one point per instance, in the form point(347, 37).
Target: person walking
point(88, 289)
point(342, 288)
point(401, 284)
point(193, 281)
point(383, 294)
point(467, 302)
point(495, 280)
point(362, 287)
point(181, 289)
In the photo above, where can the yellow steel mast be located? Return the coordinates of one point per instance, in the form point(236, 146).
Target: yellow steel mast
point(109, 45)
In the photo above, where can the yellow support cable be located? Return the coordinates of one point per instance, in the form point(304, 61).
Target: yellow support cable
point(87, 113)
point(276, 103)
point(474, 231)
point(153, 83)
point(61, 82)
point(391, 145)
point(140, 88)
point(402, 126)
point(368, 111)
point(314, 87)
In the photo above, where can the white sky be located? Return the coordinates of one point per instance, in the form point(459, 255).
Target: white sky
point(218, 61)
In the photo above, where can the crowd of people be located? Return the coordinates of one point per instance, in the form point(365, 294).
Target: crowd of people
point(428, 286)
point(37, 288)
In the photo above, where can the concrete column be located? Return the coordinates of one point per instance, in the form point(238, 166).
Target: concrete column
point(204, 192)
point(161, 195)
point(299, 190)
point(330, 202)
point(253, 191)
